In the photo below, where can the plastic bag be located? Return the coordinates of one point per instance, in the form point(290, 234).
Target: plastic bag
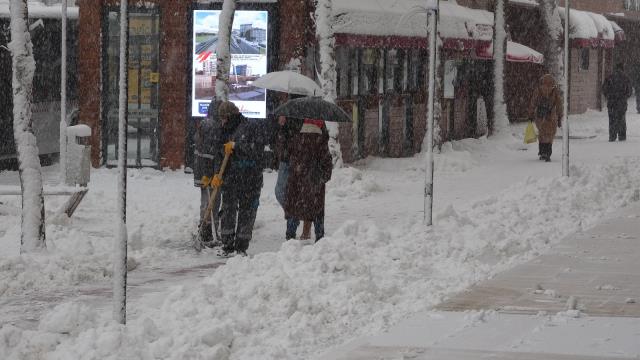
point(530, 135)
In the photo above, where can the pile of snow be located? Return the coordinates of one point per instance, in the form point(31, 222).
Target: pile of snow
point(295, 302)
point(79, 249)
point(348, 183)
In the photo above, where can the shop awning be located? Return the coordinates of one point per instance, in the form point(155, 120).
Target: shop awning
point(589, 29)
point(618, 32)
point(515, 53)
point(403, 24)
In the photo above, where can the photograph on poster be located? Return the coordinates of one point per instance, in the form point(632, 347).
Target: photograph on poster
point(248, 60)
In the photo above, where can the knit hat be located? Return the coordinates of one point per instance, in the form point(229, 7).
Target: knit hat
point(226, 109)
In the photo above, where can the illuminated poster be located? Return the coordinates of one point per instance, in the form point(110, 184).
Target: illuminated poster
point(248, 61)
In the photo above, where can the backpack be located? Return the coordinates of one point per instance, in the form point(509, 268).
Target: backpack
point(543, 108)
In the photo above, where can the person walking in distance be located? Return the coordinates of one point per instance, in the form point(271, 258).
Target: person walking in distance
point(617, 90)
point(546, 110)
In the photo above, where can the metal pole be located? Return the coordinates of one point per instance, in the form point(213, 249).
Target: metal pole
point(63, 96)
point(120, 246)
point(428, 182)
point(565, 124)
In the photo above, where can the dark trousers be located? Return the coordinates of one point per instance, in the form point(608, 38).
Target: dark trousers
point(318, 226)
point(545, 149)
point(617, 124)
point(239, 209)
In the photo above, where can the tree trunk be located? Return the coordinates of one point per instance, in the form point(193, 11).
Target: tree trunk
point(500, 117)
point(328, 76)
point(33, 221)
point(553, 26)
point(223, 49)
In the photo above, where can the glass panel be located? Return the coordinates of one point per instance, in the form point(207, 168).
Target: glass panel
point(143, 81)
point(342, 69)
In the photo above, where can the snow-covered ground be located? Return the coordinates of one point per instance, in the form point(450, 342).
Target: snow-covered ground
point(496, 205)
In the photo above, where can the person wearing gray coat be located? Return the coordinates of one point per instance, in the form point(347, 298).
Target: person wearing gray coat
point(206, 161)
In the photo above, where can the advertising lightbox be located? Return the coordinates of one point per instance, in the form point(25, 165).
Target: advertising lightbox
point(249, 45)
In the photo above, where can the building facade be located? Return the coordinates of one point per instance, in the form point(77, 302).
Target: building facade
point(381, 69)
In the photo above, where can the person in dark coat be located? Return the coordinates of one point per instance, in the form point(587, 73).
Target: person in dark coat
point(635, 82)
point(617, 90)
point(245, 141)
point(546, 109)
point(287, 129)
point(310, 167)
point(207, 139)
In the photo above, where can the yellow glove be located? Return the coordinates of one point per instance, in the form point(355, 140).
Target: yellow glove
point(216, 182)
point(205, 181)
point(228, 147)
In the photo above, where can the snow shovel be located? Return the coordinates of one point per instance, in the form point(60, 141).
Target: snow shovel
point(206, 219)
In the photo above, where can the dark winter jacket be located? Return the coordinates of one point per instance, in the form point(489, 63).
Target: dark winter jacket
point(310, 169)
point(207, 140)
point(246, 164)
point(617, 90)
point(284, 135)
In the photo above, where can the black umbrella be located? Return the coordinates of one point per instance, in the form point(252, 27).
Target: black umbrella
point(312, 108)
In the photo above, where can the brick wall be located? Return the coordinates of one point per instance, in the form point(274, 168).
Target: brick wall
point(174, 75)
point(584, 83)
point(396, 126)
point(89, 72)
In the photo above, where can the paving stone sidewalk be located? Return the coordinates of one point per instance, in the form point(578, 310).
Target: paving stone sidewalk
point(581, 300)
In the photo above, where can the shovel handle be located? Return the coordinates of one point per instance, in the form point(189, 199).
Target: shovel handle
point(214, 193)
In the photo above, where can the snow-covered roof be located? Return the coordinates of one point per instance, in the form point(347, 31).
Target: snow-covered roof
point(408, 18)
point(581, 24)
point(40, 10)
point(604, 27)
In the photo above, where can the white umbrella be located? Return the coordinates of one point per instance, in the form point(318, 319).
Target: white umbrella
point(289, 82)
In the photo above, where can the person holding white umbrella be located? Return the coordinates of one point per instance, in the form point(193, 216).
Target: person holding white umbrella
point(295, 85)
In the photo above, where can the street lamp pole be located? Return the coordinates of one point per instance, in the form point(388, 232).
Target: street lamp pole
point(432, 7)
point(565, 125)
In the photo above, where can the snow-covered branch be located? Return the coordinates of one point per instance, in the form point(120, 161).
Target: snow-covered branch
point(328, 76)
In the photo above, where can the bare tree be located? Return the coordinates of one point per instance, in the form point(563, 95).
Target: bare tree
point(223, 49)
point(33, 221)
point(328, 76)
point(553, 49)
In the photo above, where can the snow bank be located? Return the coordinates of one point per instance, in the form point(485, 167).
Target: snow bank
point(348, 183)
point(295, 302)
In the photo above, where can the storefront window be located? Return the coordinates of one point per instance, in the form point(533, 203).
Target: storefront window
point(342, 69)
point(368, 72)
point(391, 69)
point(584, 59)
point(143, 81)
point(417, 69)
